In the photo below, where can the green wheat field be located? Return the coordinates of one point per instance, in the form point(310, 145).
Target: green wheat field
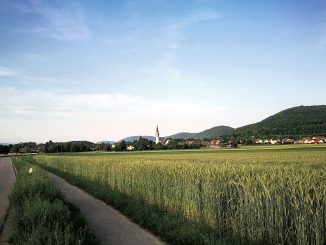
point(273, 195)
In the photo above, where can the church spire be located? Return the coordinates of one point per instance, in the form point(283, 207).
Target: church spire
point(157, 136)
point(157, 132)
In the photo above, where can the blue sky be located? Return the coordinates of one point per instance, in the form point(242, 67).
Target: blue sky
point(99, 70)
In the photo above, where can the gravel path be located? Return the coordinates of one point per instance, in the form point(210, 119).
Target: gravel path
point(7, 180)
point(104, 221)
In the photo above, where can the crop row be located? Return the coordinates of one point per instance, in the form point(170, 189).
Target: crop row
point(261, 197)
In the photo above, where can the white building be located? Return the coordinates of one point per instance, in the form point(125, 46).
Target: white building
point(273, 142)
point(157, 136)
point(130, 148)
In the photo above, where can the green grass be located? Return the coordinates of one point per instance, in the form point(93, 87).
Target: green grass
point(40, 214)
point(271, 195)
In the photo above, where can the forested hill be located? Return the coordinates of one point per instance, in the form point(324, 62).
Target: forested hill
point(182, 135)
point(214, 132)
point(211, 133)
point(294, 122)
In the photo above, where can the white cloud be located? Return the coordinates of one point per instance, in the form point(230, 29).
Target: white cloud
point(31, 80)
point(42, 115)
point(47, 103)
point(7, 72)
point(68, 116)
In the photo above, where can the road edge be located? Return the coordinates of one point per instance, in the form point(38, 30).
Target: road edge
point(5, 218)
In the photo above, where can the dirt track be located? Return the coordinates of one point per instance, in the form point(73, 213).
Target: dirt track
point(7, 180)
point(104, 221)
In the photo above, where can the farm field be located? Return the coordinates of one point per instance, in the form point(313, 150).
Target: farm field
point(263, 194)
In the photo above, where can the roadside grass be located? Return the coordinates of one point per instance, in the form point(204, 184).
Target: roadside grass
point(40, 214)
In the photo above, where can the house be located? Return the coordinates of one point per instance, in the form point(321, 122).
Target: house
point(319, 140)
point(193, 142)
point(214, 144)
point(273, 142)
point(130, 148)
point(167, 142)
point(300, 141)
point(259, 141)
point(308, 140)
point(312, 140)
point(208, 143)
point(288, 141)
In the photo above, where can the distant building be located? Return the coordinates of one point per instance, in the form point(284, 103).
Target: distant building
point(319, 140)
point(311, 140)
point(157, 136)
point(130, 148)
point(288, 141)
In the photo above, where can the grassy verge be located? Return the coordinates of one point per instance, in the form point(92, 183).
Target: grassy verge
point(40, 214)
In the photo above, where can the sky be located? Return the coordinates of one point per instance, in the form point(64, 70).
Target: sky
point(104, 70)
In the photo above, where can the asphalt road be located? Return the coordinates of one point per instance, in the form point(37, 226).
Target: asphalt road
point(7, 180)
point(107, 223)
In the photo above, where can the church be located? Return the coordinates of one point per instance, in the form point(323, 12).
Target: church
point(157, 135)
point(163, 140)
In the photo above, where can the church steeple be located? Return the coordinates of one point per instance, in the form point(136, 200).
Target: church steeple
point(157, 136)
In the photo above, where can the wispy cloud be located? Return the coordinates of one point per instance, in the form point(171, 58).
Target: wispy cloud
point(64, 24)
point(192, 18)
point(6, 72)
point(167, 67)
point(97, 115)
point(44, 103)
point(173, 32)
point(32, 80)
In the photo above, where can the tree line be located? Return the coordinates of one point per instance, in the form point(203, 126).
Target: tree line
point(83, 146)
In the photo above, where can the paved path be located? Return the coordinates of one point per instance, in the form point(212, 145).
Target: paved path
point(104, 221)
point(7, 180)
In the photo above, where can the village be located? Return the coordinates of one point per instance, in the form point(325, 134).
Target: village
point(220, 143)
point(159, 143)
point(307, 140)
point(223, 142)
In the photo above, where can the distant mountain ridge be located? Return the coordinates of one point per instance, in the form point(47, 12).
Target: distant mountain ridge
point(106, 142)
point(133, 138)
point(214, 132)
point(295, 121)
point(182, 135)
